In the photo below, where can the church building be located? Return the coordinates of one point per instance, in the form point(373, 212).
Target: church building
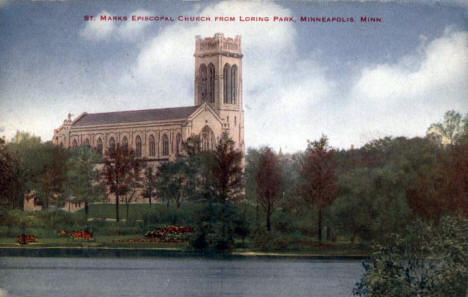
point(157, 134)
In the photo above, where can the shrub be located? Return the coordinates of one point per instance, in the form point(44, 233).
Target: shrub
point(425, 260)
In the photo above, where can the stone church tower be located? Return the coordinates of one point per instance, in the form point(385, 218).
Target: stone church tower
point(218, 81)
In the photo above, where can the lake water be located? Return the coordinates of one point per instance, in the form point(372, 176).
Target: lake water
point(191, 276)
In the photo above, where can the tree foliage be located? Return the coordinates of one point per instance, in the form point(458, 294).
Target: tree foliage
point(84, 178)
point(10, 179)
point(226, 170)
point(424, 260)
point(450, 130)
point(149, 184)
point(118, 164)
point(268, 181)
point(319, 177)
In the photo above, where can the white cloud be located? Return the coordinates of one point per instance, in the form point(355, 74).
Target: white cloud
point(98, 30)
point(132, 30)
point(405, 97)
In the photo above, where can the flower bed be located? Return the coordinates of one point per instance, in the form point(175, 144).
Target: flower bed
point(83, 235)
point(25, 239)
point(169, 231)
point(78, 235)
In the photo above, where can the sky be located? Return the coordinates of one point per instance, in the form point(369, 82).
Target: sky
point(351, 81)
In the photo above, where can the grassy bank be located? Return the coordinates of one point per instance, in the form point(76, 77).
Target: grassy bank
point(289, 235)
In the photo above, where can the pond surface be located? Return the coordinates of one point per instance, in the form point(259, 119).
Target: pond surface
point(191, 276)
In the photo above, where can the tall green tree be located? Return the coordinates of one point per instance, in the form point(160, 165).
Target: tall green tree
point(84, 182)
point(10, 179)
point(50, 183)
point(319, 177)
point(134, 183)
point(268, 180)
point(149, 184)
point(171, 181)
point(219, 184)
point(227, 171)
point(118, 164)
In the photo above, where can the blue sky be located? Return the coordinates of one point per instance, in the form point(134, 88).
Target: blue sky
point(353, 82)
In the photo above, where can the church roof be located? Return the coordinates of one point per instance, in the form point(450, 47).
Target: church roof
point(160, 114)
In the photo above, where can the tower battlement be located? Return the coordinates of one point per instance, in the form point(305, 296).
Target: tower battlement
point(218, 44)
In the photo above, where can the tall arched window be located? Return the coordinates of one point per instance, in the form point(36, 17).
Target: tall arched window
point(86, 142)
point(203, 83)
point(227, 83)
point(211, 83)
point(125, 142)
point(138, 146)
point(99, 145)
point(207, 139)
point(74, 144)
point(178, 142)
point(112, 143)
point(213, 142)
point(152, 146)
point(233, 84)
point(165, 144)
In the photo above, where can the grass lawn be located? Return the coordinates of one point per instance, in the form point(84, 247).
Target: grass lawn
point(108, 210)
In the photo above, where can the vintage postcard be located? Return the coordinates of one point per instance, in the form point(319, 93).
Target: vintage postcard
point(233, 148)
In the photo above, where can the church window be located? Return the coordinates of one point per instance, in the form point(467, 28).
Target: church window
point(227, 83)
point(233, 84)
point(235, 121)
point(125, 142)
point(178, 143)
point(211, 83)
point(86, 142)
point(112, 143)
point(165, 143)
point(138, 146)
point(203, 83)
point(75, 144)
point(213, 141)
point(152, 146)
point(207, 139)
point(99, 145)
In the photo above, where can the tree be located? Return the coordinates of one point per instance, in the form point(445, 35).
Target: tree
point(118, 164)
point(171, 181)
point(451, 130)
point(10, 183)
point(149, 184)
point(84, 177)
point(251, 170)
point(219, 184)
point(268, 182)
point(52, 180)
point(226, 170)
point(133, 182)
point(423, 260)
point(42, 168)
point(319, 178)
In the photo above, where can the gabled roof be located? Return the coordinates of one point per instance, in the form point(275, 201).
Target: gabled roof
point(160, 114)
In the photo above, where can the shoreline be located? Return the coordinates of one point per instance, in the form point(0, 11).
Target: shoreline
point(165, 252)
